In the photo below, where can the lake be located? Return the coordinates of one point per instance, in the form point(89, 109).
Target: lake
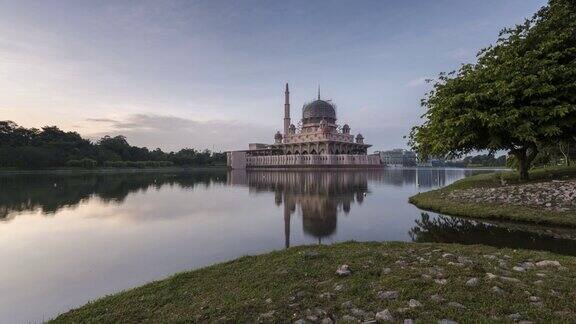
point(70, 238)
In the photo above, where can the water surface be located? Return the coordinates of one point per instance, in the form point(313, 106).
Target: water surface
point(67, 239)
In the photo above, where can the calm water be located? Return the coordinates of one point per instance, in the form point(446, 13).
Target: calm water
point(68, 239)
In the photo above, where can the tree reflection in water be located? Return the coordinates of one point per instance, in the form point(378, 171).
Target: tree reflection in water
point(445, 229)
point(49, 193)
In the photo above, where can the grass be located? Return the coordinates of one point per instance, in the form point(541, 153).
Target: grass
point(300, 283)
point(436, 200)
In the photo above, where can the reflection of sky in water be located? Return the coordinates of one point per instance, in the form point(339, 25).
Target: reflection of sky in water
point(69, 239)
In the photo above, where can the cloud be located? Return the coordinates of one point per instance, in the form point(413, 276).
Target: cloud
point(173, 133)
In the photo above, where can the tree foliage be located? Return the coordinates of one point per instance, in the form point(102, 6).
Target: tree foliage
point(518, 96)
point(51, 147)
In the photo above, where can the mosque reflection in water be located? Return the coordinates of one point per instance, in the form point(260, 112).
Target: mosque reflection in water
point(320, 196)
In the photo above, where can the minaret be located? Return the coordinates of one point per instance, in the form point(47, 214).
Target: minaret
point(286, 111)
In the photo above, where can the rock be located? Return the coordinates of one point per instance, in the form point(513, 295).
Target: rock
point(301, 321)
point(515, 317)
point(538, 282)
point(266, 317)
point(472, 282)
point(390, 294)
point(268, 301)
point(456, 305)
point(343, 270)
point(310, 254)
point(447, 255)
point(518, 269)
point(386, 270)
point(339, 287)
point(527, 265)
point(534, 298)
point(327, 320)
point(510, 279)
point(491, 275)
point(541, 275)
point(384, 316)
point(447, 321)
point(498, 290)
point(349, 319)
point(441, 281)
point(436, 298)
point(548, 263)
point(326, 295)
point(312, 318)
point(358, 313)
point(413, 303)
point(347, 305)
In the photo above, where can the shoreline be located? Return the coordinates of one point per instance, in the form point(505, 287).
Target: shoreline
point(389, 281)
point(65, 170)
point(443, 200)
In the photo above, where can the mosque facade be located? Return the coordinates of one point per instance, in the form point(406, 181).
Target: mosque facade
point(316, 141)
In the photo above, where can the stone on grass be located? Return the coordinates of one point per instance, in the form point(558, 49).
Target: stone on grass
point(384, 316)
point(390, 294)
point(386, 270)
point(339, 287)
point(519, 269)
point(327, 320)
point(447, 321)
point(498, 290)
point(515, 316)
point(456, 305)
point(472, 282)
point(326, 295)
point(349, 319)
point(347, 304)
point(301, 321)
point(413, 303)
point(491, 275)
point(268, 300)
point(534, 298)
point(266, 316)
point(441, 281)
point(436, 298)
point(548, 263)
point(510, 279)
point(447, 255)
point(343, 270)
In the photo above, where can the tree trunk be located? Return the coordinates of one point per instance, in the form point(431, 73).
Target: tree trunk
point(525, 156)
point(522, 165)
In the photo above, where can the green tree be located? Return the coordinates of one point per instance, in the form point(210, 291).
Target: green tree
point(520, 94)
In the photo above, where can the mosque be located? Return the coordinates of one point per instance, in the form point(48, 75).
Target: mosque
point(317, 141)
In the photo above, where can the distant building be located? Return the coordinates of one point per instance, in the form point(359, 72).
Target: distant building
point(317, 141)
point(398, 157)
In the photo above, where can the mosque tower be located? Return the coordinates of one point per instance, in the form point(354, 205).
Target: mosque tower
point(286, 111)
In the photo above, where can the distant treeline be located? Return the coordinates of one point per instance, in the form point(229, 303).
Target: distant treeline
point(22, 147)
point(482, 160)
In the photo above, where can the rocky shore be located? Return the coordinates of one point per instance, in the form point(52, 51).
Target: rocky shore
point(553, 195)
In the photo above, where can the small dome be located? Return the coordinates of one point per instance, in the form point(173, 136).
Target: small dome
point(278, 135)
point(359, 136)
point(318, 109)
point(346, 129)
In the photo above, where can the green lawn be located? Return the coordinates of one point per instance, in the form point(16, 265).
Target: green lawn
point(436, 200)
point(301, 283)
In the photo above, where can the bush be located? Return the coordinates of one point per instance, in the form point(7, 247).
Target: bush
point(137, 164)
point(84, 163)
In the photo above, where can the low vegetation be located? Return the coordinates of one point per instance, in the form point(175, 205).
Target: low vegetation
point(353, 282)
point(503, 196)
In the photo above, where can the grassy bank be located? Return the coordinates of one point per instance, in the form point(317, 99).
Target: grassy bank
point(422, 282)
point(437, 200)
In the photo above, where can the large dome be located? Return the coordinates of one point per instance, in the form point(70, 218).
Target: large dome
point(317, 110)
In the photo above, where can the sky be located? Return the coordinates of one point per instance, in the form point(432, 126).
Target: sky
point(211, 74)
